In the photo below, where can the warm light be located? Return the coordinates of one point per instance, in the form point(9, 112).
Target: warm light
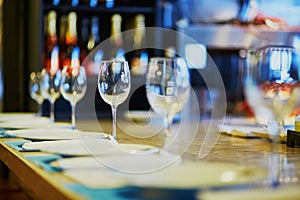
point(75, 63)
point(54, 60)
point(228, 176)
point(75, 57)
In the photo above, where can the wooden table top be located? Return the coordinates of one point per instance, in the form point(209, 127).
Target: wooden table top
point(194, 145)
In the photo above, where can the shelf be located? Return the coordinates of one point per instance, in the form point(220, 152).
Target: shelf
point(230, 36)
point(86, 8)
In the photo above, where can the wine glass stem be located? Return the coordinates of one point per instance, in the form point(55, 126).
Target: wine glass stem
point(73, 105)
point(167, 123)
point(40, 109)
point(275, 128)
point(52, 111)
point(114, 116)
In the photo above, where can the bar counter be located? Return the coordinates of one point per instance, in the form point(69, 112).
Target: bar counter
point(39, 183)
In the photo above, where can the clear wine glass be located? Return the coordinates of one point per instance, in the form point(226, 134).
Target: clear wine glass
point(272, 85)
point(73, 86)
point(50, 87)
point(272, 89)
point(167, 87)
point(114, 85)
point(35, 90)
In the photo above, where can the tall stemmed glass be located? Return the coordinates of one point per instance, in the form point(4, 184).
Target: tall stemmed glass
point(73, 86)
point(167, 87)
point(50, 86)
point(272, 90)
point(114, 86)
point(35, 90)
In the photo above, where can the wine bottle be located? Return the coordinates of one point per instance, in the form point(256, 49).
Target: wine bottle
point(139, 60)
point(51, 43)
point(94, 37)
point(93, 41)
point(116, 39)
point(71, 39)
point(84, 37)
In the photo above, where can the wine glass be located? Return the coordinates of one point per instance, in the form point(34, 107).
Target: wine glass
point(50, 87)
point(35, 90)
point(167, 87)
point(272, 90)
point(272, 85)
point(73, 86)
point(114, 85)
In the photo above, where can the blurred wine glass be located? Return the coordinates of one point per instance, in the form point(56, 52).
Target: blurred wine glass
point(114, 85)
point(167, 87)
point(50, 87)
point(272, 90)
point(73, 86)
point(272, 85)
point(35, 90)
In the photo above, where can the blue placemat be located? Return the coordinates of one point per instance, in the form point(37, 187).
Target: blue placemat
point(131, 192)
point(44, 162)
point(17, 145)
point(2, 133)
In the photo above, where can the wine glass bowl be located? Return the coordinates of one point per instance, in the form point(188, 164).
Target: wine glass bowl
point(50, 87)
point(167, 87)
point(35, 90)
point(73, 86)
point(114, 85)
point(272, 87)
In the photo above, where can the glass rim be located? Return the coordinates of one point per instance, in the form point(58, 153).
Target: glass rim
point(113, 61)
point(165, 58)
point(269, 48)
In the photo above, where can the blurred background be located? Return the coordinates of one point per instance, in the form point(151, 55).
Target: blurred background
point(223, 29)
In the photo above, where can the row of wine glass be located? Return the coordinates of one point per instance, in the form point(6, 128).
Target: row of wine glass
point(167, 86)
point(71, 82)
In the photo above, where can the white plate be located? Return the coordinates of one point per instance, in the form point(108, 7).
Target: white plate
point(195, 175)
point(147, 116)
point(123, 162)
point(33, 123)
point(181, 175)
point(17, 116)
point(52, 134)
point(141, 115)
point(87, 146)
point(106, 171)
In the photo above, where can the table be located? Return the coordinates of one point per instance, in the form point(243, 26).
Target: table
point(41, 184)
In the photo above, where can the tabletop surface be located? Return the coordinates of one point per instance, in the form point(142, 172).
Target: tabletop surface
point(194, 142)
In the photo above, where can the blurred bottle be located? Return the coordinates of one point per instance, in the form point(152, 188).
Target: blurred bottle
point(51, 44)
point(70, 43)
point(93, 3)
point(116, 39)
point(94, 39)
point(74, 2)
point(84, 38)
point(62, 37)
point(139, 60)
point(109, 3)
